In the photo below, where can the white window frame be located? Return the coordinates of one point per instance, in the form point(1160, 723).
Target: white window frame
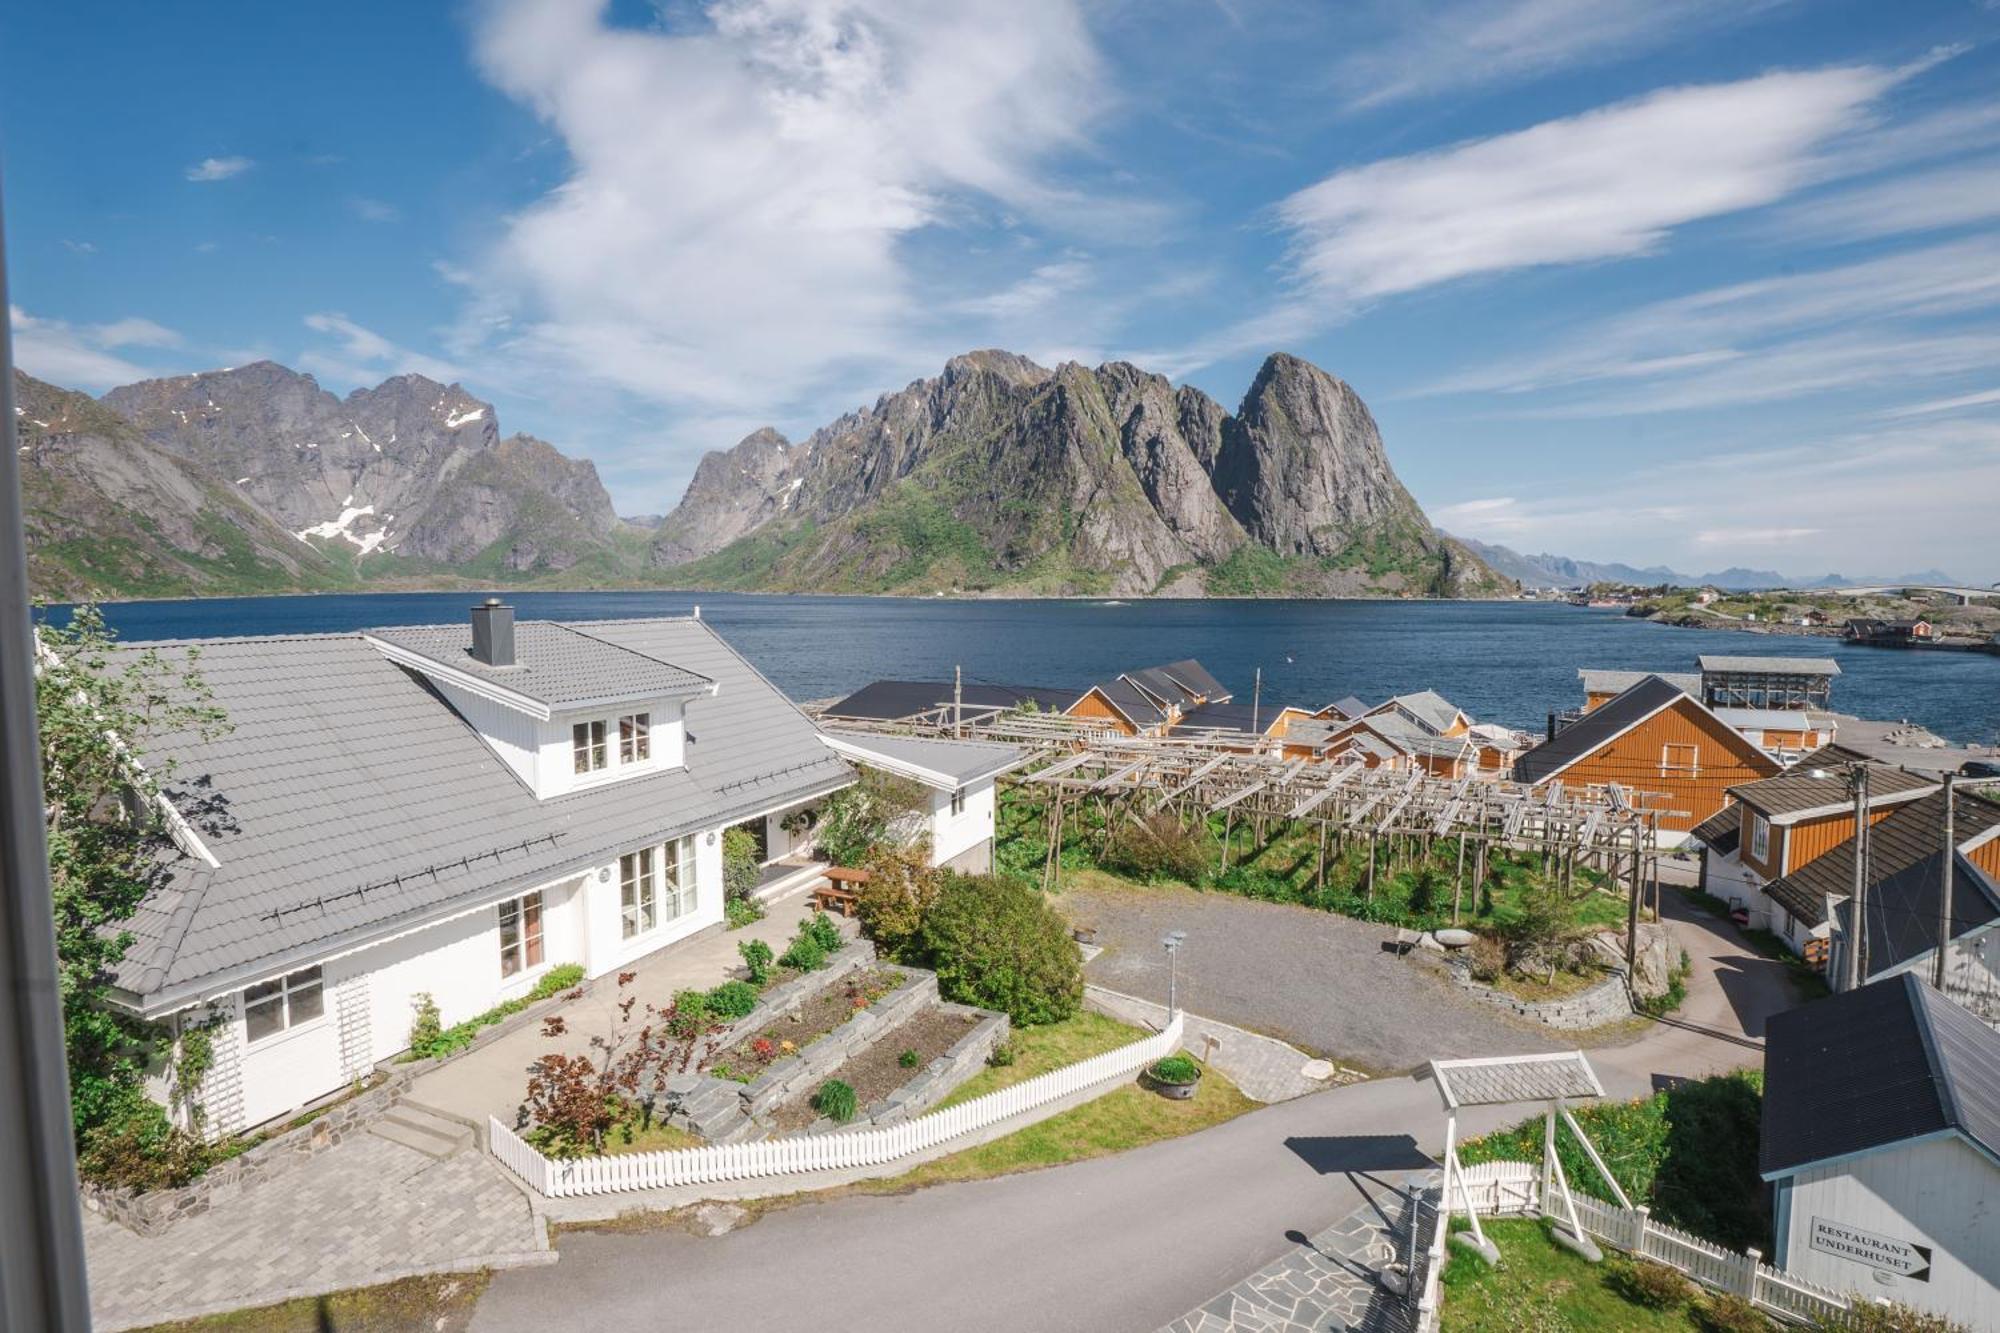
point(638, 892)
point(285, 995)
point(1692, 768)
point(514, 957)
point(589, 747)
point(957, 801)
point(635, 738)
point(678, 875)
point(1760, 837)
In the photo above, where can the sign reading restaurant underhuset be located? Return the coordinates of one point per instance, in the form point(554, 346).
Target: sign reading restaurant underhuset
point(1901, 1257)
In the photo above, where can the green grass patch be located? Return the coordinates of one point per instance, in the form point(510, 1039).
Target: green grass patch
point(1542, 1287)
point(460, 1035)
point(441, 1304)
point(1037, 1050)
point(1688, 1152)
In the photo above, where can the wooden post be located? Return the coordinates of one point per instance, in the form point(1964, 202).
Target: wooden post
point(1319, 878)
point(1632, 915)
point(1458, 879)
point(1371, 867)
point(1945, 887)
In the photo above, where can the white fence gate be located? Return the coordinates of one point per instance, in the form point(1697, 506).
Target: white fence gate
point(838, 1150)
point(1512, 1189)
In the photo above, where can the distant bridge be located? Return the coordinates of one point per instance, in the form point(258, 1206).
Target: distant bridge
point(1879, 588)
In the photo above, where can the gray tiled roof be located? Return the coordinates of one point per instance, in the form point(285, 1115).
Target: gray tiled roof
point(1597, 680)
point(563, 666)
point(1874, 1067)
point(343, 771)
point(959, 761)
point(1349, 707)
point(1531, 1078)
point(1429, 707)
point(1797, 666)
point(1904, 851)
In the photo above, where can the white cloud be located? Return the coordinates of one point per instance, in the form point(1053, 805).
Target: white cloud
point(1446, 47)
point(363, 356)
point(744, 184)
point(80, 247)
point(77, 358)
point(1951, 196)
point(1611, 183)
point(1983, 398)
point(374, 210)
point(1937, 479)
point(133, 331)
point(1872, 323)
point(1037, 291)
point(218, 168)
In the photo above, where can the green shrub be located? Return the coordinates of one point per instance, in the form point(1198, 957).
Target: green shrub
point(425, 1026)
point(137, 1148)
point(732, 1000)
point(909, 1059)
point(1175, 1069)
point(1655, 1286)
point(1723, 1312)
point(804, 954)
point(1869, 1317)
point(1158, 846)
point(689, 1014)
point(901, 887)
point(835, 1101)
point(856, 819)
point(824, 932)
point(562, 977)
point(999, 945)
point(756, 960)
point(740, 912)
point(741, 851)
point(1002, 1055)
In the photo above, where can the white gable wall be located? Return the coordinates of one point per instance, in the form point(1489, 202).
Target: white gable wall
point(1941, 1192)
point(954, 835)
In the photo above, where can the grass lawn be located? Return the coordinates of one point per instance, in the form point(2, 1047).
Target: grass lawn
point(440, 1304)
point(1543, 1287)
point(647, 1138)
point(1037, 1050)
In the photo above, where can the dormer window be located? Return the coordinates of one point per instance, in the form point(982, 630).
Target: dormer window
point(635, 738)
point(589, 747)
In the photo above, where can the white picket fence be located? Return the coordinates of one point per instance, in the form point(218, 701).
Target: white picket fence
point(840, 1150)
point(1505, 1189)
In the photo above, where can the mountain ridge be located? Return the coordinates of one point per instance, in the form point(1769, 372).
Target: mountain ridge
point(1001, 475)
point(1556, 571)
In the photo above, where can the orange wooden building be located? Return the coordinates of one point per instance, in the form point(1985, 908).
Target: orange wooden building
point(1665, 748)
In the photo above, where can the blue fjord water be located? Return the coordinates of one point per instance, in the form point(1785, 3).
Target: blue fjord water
point(1506, 662)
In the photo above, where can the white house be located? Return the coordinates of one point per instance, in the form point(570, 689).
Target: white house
point(961, 778)
point(1881, 1137)
point(450, 810)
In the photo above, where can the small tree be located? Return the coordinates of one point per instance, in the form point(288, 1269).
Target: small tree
point(901, 887)
point(999, 945)
point(857, 818)
point(101, 715)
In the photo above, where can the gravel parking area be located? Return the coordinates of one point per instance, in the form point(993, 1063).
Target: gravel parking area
point(1319, 981)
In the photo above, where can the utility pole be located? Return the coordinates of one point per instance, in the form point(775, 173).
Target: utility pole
point(1944, 893)
point(1256, 699)
point(1857, 930)
point(957, 702)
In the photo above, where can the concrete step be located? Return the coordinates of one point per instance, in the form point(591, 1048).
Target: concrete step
point(417, 1127)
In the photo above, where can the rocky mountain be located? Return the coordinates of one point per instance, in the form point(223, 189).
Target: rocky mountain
point(411, 468)
point(108, 511)
point(1560, 571)
point(1000, 474)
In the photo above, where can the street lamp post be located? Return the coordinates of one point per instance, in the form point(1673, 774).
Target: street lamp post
point(1172, 942)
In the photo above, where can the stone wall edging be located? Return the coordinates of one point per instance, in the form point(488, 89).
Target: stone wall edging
point(1606, 1002)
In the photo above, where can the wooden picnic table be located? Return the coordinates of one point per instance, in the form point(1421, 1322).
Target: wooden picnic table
point(842, 890)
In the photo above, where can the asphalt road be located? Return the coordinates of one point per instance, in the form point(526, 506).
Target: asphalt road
point(1125, 1242)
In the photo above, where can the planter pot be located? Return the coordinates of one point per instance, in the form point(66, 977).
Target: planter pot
point(1084, 934)
point(1178, 1092)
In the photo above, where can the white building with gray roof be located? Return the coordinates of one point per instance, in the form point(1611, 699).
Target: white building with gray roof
point(961, 777)
point(444, 810)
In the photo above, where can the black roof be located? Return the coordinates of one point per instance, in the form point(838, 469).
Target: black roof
point(1179, 684)
point(1905, 863)
point(893, 700)
point(1230, 717)
point(1721, 831)
point(1874, 1067)
point(1820, 780)
point(1596, 727)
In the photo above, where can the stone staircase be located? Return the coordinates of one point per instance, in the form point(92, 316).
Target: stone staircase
point(428, 1132)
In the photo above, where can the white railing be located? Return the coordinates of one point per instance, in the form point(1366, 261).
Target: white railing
point(834, 1151)
point(1514, 1188)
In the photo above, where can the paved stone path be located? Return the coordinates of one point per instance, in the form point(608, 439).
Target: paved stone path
point(364, 1212)
point(1330, 1282)
point(1263, 1068)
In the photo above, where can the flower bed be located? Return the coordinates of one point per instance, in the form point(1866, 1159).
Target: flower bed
point(812, 1019)
point(879, 1069)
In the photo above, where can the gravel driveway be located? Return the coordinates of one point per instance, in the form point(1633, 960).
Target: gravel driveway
point(1320, 981)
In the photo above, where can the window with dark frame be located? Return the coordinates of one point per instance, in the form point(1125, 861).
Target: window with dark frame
point(635, 738)
point(588, 746)
point(283, 1003)
point(958, 801)
point(520, 934)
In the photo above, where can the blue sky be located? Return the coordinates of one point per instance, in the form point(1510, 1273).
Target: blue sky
point(1674, 281)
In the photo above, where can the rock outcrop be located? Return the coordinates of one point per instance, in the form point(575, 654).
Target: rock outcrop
point(1000, 474)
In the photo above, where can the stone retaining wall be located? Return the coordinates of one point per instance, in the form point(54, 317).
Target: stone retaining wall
point(784, 1078)
point(942, 1076)
point(1606, 1002)
point(151, 1213)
